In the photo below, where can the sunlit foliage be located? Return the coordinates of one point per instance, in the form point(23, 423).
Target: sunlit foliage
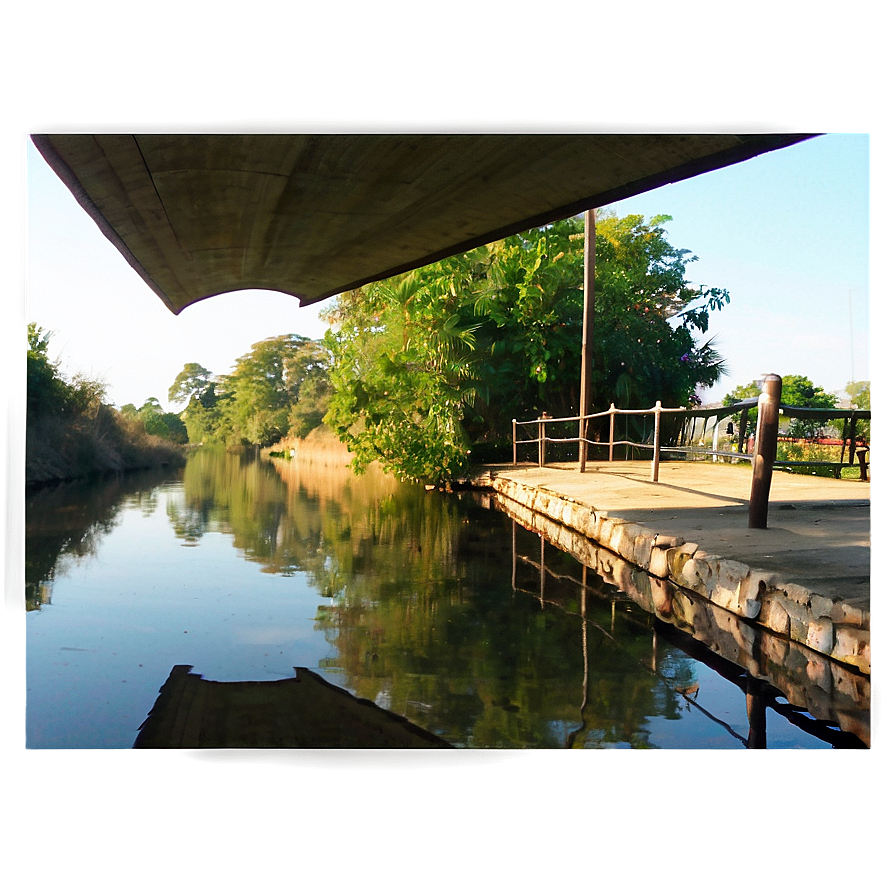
point(279, 388)
point(431, 365)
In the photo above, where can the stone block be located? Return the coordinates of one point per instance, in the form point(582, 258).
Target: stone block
point(799, 626)
point(667, 541)
point(820, 635)
point(677, 557)
point(852, 646)
point(848, 613)
point(641, 540)
point(727, 591)
point(773, 614)
point(697, 574)
point(659, 565)
point(757, 583)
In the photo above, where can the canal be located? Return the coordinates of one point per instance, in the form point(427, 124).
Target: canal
point(433, 605)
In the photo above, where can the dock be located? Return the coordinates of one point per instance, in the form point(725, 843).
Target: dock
point(805, 578)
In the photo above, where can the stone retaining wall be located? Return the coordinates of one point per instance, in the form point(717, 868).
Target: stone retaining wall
point(828, 627)
point(829, 691)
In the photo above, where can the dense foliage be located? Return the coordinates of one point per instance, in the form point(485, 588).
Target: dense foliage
point(156, 421)
point(796, 391)
point(72, 433)
point(279, 388)
point(429, 365)
point(49, 392)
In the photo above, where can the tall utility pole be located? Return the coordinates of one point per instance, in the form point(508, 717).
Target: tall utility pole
point(587, 338)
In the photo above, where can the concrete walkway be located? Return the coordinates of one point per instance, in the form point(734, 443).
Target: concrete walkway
point(818, 534)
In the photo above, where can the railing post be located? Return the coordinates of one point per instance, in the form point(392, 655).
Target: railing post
point(656, 442)
point(765, 451)
point(514, 441)
point(583, 444)
point(742, 431)
point(612, 426)
point(542, 447)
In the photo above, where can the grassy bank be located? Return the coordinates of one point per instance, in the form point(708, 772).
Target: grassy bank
point(59, 448)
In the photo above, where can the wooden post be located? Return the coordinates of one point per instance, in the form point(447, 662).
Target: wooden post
point(612, 426)
point(742, 431)
point(765, 451)
point(514, 441)
point(862, 455)
point(656, 442)
point(587, 338)
point(542, 446)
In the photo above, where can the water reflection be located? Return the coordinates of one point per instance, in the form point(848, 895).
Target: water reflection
point(65, 524)
point(431, 606)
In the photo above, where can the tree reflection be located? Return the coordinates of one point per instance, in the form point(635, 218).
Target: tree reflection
point(66, 523)
point(422, 610)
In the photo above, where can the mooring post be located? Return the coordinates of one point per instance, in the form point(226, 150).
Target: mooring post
point(656, 442)
point(765, 451)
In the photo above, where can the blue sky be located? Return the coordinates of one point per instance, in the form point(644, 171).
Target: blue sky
point(786, 233)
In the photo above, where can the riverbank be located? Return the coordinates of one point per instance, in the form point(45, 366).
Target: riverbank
point(805, 578)
point(321, 442)
point(62, 450)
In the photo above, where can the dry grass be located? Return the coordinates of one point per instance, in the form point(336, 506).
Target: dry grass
point(92, 444)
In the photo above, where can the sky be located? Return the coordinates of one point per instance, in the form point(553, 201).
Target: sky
point(787, 234)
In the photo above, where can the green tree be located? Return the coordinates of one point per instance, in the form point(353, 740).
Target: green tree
point(158, 422)
point(860, 398)
point(430, 364)
point(46, 390)
point(859, 394)
point(49, 393)
point(796, 391)
point(279, 388)
point(194, 381)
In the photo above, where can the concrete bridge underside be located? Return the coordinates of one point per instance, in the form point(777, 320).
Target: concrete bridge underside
point(316, 215)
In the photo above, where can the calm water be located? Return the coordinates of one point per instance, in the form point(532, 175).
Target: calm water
point(415, 599)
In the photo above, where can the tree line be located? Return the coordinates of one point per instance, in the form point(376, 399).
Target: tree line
point(71, 432)
point(424, 372)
